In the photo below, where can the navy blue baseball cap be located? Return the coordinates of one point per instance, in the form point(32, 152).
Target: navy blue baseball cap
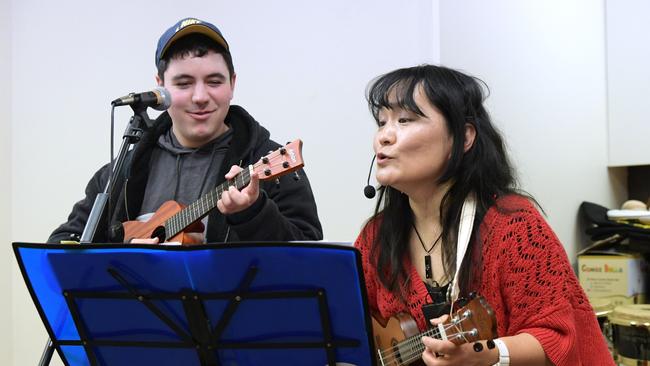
point(184, 27)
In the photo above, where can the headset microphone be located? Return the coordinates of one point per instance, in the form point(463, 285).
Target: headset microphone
point(369, 191)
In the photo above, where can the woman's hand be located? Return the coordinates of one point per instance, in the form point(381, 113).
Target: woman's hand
point(439, 352)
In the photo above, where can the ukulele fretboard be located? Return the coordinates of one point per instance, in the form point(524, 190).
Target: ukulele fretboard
point(201, 207)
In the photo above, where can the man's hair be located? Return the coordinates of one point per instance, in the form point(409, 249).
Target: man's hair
point(194, 45)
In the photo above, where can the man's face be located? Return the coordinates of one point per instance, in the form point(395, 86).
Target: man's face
point(201, 90)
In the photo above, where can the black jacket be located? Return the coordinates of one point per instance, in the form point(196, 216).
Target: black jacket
point(283, 212)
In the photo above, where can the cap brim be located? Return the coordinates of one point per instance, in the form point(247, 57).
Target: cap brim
point(192, 29)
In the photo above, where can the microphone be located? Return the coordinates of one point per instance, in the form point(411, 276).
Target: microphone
point(369, 191)
point(158, 99)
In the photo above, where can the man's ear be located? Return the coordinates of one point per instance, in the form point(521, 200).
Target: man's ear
point(470, 136)
point(233, 78)
point(158, 80)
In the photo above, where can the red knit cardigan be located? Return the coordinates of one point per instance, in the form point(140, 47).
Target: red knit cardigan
point(526, 278)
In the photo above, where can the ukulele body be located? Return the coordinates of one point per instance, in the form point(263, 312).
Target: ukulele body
point(154, 227)
point(388, 333)
point(398, 340)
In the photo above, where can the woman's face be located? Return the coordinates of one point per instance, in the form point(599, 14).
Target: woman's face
point(412, 150)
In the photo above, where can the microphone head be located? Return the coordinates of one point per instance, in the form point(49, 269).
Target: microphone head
point(164, 98)
point(369, 191)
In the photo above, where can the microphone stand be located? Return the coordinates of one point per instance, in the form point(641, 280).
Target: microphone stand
point(137, 125)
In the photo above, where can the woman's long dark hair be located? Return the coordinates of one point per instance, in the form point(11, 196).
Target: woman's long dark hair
point(484, 169)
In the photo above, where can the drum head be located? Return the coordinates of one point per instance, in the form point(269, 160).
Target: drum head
point(637, 315)
point(602, 306)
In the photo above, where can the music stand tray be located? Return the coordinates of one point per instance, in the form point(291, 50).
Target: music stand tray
point(229, 304)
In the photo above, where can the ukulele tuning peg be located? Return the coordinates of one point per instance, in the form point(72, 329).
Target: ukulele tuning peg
point(296, 177)
point(478, 347)
point(472, 295)
point(490, 344)
point(277, 182)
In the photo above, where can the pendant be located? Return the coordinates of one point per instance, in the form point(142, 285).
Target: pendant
point(428, 272)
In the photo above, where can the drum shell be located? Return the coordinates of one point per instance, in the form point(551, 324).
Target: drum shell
point(603, 307)
point(630, 326)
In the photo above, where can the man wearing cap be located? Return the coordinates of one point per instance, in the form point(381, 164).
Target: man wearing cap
point(195, 145)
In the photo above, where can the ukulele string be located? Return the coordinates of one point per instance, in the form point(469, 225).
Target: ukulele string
point(410, 353)
point(245, 173)
point(272, 160)
point(177, 221)
point(412, 343)
point(418, 348)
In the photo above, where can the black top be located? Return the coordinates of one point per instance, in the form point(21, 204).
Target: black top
point(284, 212)
point(438, 305)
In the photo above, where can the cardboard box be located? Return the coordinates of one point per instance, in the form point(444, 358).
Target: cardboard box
point(620, 277)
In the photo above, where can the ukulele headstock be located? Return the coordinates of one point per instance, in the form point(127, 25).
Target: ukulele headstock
point(282, 161)
point(473, 322)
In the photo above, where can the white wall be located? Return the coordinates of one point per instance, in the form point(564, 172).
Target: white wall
point(544, 62)
point(302, 71)
point(6, 255)
point(628, 57)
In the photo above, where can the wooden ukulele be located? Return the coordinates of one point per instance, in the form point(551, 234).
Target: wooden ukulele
point(172, 221)
point(398, 339)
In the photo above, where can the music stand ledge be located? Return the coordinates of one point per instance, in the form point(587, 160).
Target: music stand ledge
point(218, 304)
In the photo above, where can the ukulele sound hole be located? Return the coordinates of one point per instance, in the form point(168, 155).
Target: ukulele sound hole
point(159, 233)
point(396, 347)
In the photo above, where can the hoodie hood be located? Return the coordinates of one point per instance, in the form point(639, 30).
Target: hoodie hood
point(170, 143)
point(248, 135)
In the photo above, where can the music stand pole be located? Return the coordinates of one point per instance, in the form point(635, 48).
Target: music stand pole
point(132, 134)
point(46, 357)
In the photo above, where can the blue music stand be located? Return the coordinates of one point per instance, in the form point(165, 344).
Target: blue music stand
point(220, 304)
